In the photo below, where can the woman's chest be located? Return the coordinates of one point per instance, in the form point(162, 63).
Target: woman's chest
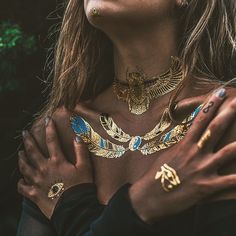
point(111, 174)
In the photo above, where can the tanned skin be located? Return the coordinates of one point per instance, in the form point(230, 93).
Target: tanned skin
point(144, 35)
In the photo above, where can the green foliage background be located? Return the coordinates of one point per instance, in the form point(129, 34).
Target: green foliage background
point(24, 43)
point(14, 44)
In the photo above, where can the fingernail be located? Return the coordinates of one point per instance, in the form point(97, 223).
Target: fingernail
point(78, 139)
point(24, 133)
point(221, 93)
point(47, 119)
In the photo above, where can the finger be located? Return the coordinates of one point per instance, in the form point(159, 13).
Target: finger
point(224, 155)
point(32, 150)
point(205, 115)
point(81, 152)
point(221, 123)
point(26, 190)
point(224, 182)
point(52, 140)
point(25, 169)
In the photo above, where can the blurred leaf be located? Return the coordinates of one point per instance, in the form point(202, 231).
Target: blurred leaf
point(12, 37)
point(15, 45)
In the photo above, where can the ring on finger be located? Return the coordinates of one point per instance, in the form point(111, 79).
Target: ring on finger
point(204, 139)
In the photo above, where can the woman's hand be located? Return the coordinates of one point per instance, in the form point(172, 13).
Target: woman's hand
point(196, 166)
point(41, 173)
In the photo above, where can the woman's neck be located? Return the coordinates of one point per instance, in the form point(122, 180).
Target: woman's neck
point(149, 50)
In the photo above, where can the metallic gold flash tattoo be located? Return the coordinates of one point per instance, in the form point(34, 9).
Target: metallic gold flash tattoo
point(95, 12)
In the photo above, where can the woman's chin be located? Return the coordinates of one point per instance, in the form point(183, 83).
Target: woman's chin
point(104, 14)
point(96, 11)
point(108, 15)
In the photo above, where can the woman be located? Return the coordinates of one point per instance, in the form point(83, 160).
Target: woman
point(122, 68)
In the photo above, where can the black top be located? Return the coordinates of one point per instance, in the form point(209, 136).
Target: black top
point(78, 213)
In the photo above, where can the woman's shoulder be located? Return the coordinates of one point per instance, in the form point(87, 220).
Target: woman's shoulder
point(61, 117)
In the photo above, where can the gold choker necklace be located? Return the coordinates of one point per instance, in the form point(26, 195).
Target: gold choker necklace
point(139, 91)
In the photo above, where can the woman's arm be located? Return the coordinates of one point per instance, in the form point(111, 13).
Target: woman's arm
point(198, 159)
point(78, 208)
point(117, 218)
point(31, 213)
point(196, 166)
point(33, 222)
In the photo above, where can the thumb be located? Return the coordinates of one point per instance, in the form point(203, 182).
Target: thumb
point(81, 153)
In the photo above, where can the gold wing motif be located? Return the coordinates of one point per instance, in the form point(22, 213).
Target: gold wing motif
point(168, 81)
point(105, 148)
point(96, 144)
point(111, 151)
point(112, 129)
point(163, 125)
point(118, 134)
point(172, 137)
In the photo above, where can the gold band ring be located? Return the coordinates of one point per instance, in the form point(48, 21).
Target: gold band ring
point(204, 139)
point(169, 178)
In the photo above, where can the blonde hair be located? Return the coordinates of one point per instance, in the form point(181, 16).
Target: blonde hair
point(83, 63)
